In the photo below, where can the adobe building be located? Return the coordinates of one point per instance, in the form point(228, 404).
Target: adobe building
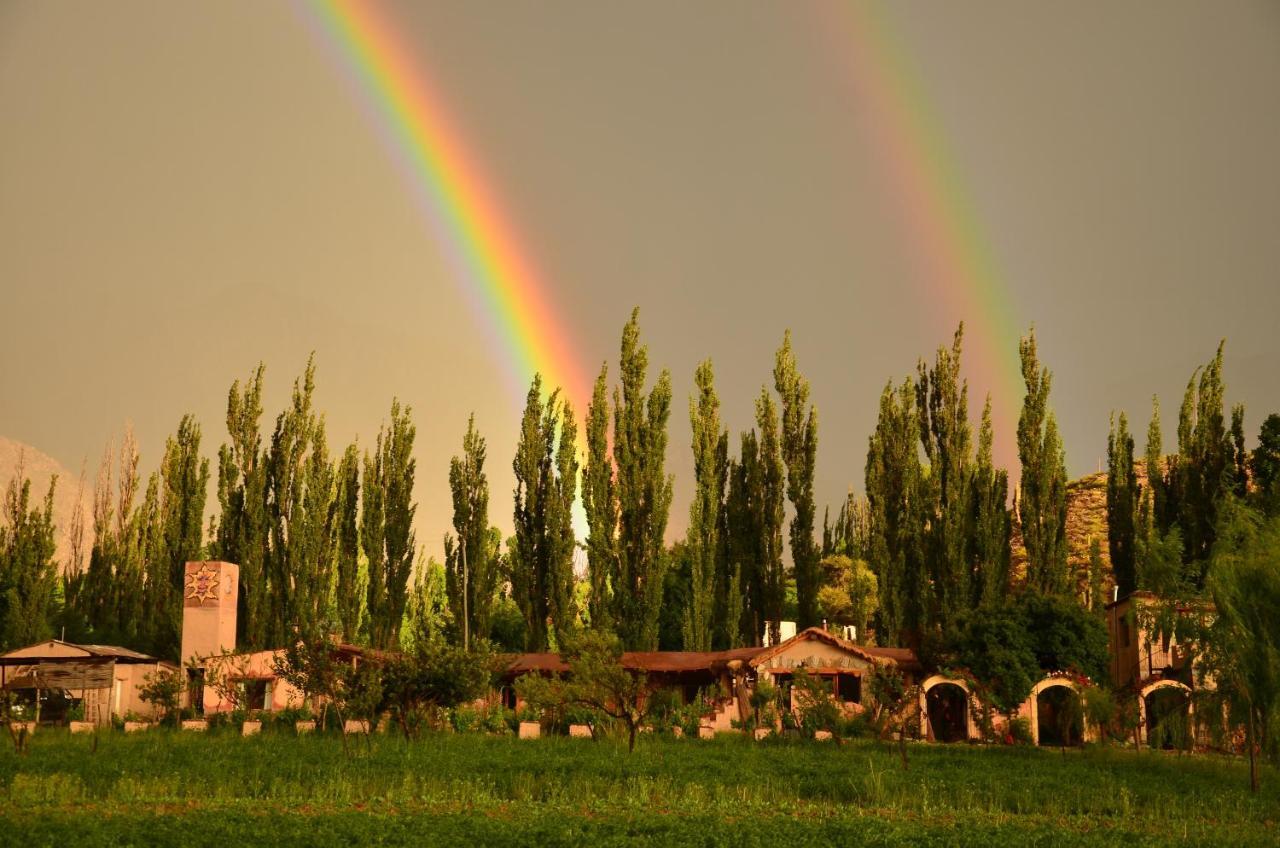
point(103, 679)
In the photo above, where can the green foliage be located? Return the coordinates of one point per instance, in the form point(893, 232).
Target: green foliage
point(541, 554)
point(816, 704)
point(596, 681)
point(1243, 643)
point(164, 690)
point(893, 478)
point(387, 526)
point(1122, 506)
point(993, 644)
point(1064, 635)
point(799, 453)
point(1265, 465)
point(471, 562)
point(600, 503)
point(710, 467)
point(348, 593)
point(28, 572)
point(850, 593)
point(1042, 497)
point(435, 676)
point(643, 494)
point(989, 539)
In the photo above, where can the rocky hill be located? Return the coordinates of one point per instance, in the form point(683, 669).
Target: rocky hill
point(40, 468)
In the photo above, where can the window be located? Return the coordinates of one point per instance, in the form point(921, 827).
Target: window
point(849, 688)
point(1124, 632)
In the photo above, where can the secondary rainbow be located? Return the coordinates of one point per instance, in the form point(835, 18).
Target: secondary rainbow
point(941, 226)
point(487, 257)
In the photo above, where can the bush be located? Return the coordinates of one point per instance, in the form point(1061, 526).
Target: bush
point(1019, 732)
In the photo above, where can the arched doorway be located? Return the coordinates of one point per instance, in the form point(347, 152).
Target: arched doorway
point(1057, 712)
point(1167, 714)
point(947, 708)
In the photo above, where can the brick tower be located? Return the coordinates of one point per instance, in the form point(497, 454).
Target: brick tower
point(210, 591)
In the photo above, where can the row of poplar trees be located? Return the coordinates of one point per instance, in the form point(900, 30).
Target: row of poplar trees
point(733, 548)
point(1163, 512)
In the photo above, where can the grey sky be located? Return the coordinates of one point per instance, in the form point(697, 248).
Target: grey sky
point(187, 189)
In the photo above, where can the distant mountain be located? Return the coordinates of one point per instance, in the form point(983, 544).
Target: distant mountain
point(40, 468)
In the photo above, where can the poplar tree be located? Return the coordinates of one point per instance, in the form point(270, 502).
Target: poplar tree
point(1122, 506)
point(387, 526)
point(240, 535)
point(471, 559)
point(1202, 469)
point(644, 493)
point(799, 453)
point(541, 552)
point(989, 542)
point(600, 503)
point(893, 482)
point(28, 571)
point(710, 465)
point(767, 480)
point(1042, 501)
point(1264, 464)
point(744, 586)
point(348, 591)
point(942, 409)
point(180, 504)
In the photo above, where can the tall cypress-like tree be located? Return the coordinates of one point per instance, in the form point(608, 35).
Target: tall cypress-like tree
point(743, 546)
point(387, 526)
point(28, 571)
point(541, 554)
point(1264, 464)
point(942, 409)
point(1201, 473)
point(471, 560)
point(1042, 501)
point(893, 483)
point(600, 503)
point(710, 465)
point(240, 535)
point(768, 481)
point(1122, 506)
point(348, 597)
point(184, 486)
point(644, 493)
point(989, 541)
point(799, 453)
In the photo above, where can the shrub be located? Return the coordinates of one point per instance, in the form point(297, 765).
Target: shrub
point(1019, 732)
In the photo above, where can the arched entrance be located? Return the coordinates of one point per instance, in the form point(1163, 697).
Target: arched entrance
point(1166, 714)
point(946, 710)
point(1057, 713)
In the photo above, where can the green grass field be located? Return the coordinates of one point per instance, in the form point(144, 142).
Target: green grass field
point(169, 788)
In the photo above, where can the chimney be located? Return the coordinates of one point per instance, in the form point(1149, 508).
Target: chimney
point(210, 591)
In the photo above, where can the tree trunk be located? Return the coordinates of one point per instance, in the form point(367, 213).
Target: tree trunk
point(1250, 734)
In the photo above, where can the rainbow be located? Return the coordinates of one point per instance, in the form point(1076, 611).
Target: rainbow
point(938, 219)
point(487, 258)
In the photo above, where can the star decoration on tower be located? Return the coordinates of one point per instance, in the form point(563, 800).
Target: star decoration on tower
point(202, 585)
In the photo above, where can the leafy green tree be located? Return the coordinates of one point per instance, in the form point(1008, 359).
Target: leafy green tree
point(241, 532)
point(28, 571)
point(743, 546)
point(942, 408)
point(541, 555)
point(426, 614)
point(893, 482)
point(989, 536)
point(600, 502)
point(387, 526)
point(710, 466)
point(471, 563)
point(1063, 635)
point(994, 645)
point(768, 485)
point(1097, 575)
point(348, 594)
point(1265, 465)
point(1042, 497)
point(300, 493)
point(1200, 473)
point(1122, 506)
point(179, 514)
point(433, 676)
point(643, 491)
point(850, 594)
point(1243, 644)
point(596, 681)
point(799, 453)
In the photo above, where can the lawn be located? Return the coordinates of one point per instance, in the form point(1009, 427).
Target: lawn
point(170, 788)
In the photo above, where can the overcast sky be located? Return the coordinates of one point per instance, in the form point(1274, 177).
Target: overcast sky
point(187, 189)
